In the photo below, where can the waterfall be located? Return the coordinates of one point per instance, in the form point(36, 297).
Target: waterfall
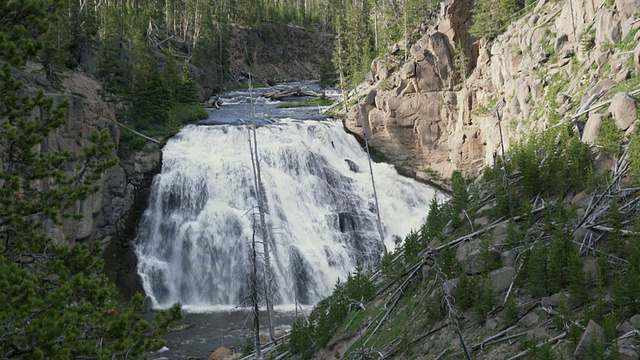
point(193, 239)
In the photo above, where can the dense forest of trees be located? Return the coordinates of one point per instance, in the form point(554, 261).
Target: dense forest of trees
point(146, 47)
point(127, 31)
point(57, 302)
point(61, 305)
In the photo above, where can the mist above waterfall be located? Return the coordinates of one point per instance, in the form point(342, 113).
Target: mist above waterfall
point(193, 241)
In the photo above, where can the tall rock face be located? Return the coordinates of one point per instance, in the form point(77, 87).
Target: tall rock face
point(110, 215)
point(431, 114)
point(86, 113)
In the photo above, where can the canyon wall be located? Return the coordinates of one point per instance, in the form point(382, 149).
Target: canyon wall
point(431, 116)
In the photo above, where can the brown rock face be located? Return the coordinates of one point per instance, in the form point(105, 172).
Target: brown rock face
point(432, 113)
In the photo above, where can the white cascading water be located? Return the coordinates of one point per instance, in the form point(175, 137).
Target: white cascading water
point(194, 240)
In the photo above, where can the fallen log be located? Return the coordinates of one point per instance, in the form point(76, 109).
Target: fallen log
point(213, 102)
point(281, 92)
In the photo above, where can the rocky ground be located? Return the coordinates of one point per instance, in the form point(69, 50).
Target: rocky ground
point(561, 62)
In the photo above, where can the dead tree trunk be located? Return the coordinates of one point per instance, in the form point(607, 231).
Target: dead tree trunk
point(266, 234)
point(254, 297)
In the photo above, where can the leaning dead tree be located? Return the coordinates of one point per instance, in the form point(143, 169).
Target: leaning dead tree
point(373, 184)
point(262, 208)
point(255, 300)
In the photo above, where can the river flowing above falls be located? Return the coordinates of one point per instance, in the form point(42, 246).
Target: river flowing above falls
point(194, 238)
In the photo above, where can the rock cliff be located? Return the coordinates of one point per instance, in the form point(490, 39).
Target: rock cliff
point(111, 214)
point(430, 115)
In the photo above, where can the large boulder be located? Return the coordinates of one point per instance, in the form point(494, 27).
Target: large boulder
point(623, 109)
point(592, 128)
point(593, 331)
point(501, 278)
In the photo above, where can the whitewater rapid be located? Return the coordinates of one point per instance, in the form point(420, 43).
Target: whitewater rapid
point(194, 238)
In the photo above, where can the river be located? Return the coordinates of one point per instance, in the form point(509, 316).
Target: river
point(193, 241)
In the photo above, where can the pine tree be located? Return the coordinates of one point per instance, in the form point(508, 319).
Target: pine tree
point(576, 279)
point(449, 265)
point(486, 256)
point(186, 92)
point(433, 227)
point(57, 301)
point(634, 155)
point(559, 255)
point(536, 271)
point(411, 249)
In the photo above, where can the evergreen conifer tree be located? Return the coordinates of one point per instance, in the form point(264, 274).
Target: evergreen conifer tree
point(536, 270)
point(57, 303)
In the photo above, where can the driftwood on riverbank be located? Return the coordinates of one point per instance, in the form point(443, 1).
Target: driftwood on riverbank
point(283, 91)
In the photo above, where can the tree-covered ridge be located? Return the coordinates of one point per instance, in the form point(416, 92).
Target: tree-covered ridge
point(568, 254)
point(57, 302)
point(537, 258)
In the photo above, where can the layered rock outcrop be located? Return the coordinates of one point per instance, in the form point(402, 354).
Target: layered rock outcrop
point(432, 114)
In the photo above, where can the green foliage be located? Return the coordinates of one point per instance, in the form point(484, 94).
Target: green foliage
point(468, 292)
point(548, 159)
point(130, 143)
point(610, 137)
point(185, 91)
point(538, 351)
point(23, 26)
point(328, 75)
point(358, 286)
point(449, 265)
point(596, 350)
point(511, 310)
point(485, 302)
point(615, 242)
point(388, 267)
point(576, 279)
point(491, 17)
point(461, 61)
point(588, 40)
point(329, 313)
point(514, 234)
point(459, 199)
point(436, 221)
point(314, 102)
point(411, 249)
point(486, 255)
point(301, 340)
point(114, 73)
point(536, 270)
point(460, 195)
point(185, 113)
point(624, 290)
point(558, 268)
point(634, 155)
point(63, 306)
